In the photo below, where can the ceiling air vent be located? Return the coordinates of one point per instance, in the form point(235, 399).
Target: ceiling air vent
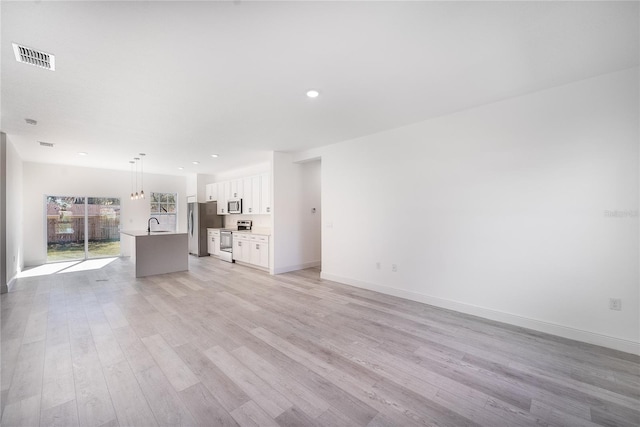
point(31, 56)
point(45, 144)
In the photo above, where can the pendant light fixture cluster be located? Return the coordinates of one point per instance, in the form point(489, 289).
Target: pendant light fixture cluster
point(134, 177)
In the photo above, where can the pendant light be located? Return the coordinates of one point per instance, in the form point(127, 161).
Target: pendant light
point(142, 175)
point(131, 162)
point(137, 196)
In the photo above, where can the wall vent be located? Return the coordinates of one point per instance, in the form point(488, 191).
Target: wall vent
point(45, 144)
point(31, 56)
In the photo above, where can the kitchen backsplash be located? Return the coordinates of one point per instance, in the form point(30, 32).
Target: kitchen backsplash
point(259, 221)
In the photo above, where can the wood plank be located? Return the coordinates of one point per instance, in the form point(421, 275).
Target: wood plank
point(165, 403)
point(251, 415)
point(177, 372)
point(114, 315)
point(135, 351)
point(24, 412)
point(36, 329)
point(94, 403)
point(128, 400)
point(58, 386)
point(260, 392)
point(205, 408)
point(310, 361)
point(63, 415)
point(282, 382)
point(224, 390)
point(27, 377)
point(9, 350)
point(310, 351)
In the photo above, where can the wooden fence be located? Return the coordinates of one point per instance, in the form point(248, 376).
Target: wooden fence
point(71, 229)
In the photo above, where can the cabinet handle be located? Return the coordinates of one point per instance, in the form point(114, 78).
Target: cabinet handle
point(249, 210)
point(268, 209)
point(257, 246)
point(239, 243)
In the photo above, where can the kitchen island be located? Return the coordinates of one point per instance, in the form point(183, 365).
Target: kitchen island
point(155, 252)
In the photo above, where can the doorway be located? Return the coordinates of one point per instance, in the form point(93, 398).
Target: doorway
point(80, 228)
point(310, 182)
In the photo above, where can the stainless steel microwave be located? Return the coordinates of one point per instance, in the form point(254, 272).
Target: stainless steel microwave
point(234, 206)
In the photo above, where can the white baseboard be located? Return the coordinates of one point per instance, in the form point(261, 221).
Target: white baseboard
point(499, 316)
point(289, 268)
point(11, 283)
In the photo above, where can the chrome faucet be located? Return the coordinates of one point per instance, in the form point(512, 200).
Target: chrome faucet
point(149, 223)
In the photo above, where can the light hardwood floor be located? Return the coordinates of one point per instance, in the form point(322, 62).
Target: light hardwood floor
point(226, 345)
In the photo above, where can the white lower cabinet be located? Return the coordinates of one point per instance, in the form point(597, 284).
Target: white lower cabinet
point(213, 242)
point(260, 251)
point(241, 246)
point(251, 249)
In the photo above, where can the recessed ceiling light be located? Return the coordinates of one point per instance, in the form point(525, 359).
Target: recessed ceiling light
point(180, 168)
point(31, 122)
point(214, 155)
point(45, 144)
point(82, 153)
point(196, 163)
point(313, 93)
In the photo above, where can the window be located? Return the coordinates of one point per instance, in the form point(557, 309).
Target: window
point(164, 207)
point(82, 227)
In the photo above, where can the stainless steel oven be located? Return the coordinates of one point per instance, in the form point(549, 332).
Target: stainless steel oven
point(226, 245)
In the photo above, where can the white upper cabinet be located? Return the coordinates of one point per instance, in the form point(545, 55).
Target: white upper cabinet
point(223, 191)
point(255, 192)
point(265, 193)
point(248, 196)
point(235, 189)
point(211, 192)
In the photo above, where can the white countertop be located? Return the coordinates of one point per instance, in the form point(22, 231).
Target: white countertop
point(256, 231)
point(140, 233)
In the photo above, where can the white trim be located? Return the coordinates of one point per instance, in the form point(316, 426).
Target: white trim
point(297, 267)
point(512, 319)
point(11, 283)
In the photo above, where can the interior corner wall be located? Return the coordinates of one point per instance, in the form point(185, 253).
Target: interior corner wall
point(48, 179)
point(295, 245)
point(3, 213)
point(11, 199)
point(523, 211)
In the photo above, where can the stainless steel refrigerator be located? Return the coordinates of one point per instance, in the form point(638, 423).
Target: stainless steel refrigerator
point(201, 216)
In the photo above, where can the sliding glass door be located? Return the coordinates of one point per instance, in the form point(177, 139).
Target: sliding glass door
point(82, 227)
point(103, 237)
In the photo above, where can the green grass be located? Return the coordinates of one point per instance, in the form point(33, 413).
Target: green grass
point(73, 251)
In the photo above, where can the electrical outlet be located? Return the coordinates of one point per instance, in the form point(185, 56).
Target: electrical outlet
point(394, 268)
point(615, 304)
point(378, 266)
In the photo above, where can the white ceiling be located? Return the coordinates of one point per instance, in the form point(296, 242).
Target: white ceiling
point(180, 81)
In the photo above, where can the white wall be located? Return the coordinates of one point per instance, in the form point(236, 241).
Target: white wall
point(295, 191)
point(499, 211)
point(249, 170)
point(44, 179)
point(12, 213)
point(196, 186)
point(311, 211)
point(3, 213)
